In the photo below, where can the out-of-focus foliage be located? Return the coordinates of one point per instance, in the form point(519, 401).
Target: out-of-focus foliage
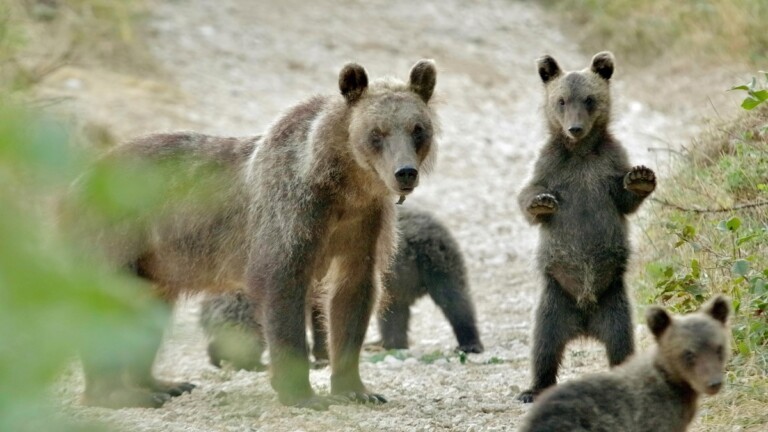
point(54, 300)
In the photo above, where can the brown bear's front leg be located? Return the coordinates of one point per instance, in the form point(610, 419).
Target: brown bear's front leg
point(350, 311)
point(633, 188)
point(282, 290)
point(284, 322)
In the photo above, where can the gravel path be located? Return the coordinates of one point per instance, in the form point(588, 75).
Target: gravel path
point(239, 63)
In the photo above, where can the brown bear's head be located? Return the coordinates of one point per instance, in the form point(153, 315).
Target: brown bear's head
point(577, 102)
point(693, 348)
point(392, 129)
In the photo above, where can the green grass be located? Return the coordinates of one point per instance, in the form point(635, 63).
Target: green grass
point(707, 233)
point(641, 30)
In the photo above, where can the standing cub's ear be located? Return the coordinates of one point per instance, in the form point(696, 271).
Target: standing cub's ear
point(658, 320)
point(548, 68)
point(717, 308)
point(423, 78)
point(352, 81)
point(602, 64)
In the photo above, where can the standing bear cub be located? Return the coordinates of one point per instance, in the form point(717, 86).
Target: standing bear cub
point(312, 199)
point(656, 391)
point(428, 261)
point(581, 190)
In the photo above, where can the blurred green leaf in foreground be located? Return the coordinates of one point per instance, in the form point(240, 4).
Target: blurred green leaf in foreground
point(54, 301)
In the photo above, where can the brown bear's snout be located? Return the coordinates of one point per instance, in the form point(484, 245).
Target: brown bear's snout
point(575, 130)
point(714, 385)
point(407, 177)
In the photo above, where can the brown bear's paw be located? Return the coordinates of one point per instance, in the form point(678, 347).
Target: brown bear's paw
point(319, 403)
point(128, 398)
point(640, 180)
point(171, 388)
point(471, 348)
point(528, 396)
point(543, 204)
point(364, 397)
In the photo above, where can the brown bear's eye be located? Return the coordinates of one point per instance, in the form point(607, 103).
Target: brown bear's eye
point(377, 139)
point(589, 102)
point(419, 135)
point(561, 102)
point(719, 352)
point(689, 357)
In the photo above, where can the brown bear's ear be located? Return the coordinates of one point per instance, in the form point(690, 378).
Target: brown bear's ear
point(352, 81)
point(423, 78)
point(658, 320)
point(602, 64)
point(718, 308)
point(548, 68)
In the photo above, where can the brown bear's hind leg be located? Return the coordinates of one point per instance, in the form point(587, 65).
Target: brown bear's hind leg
point(139, 370)
point(105, 387)
point(393, 325)
point(612, 323)
point(319, 337)
point(557, 322)
point(451, 296)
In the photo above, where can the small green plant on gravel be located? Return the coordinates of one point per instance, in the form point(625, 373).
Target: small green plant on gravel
point(399, 354)
point(756, 93)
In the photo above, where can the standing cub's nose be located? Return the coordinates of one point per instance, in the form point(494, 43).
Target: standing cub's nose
point(406, 177)
point(575, 129)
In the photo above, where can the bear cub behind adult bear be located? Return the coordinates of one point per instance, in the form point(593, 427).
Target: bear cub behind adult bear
point(313, 198)
point(428, 261)
point(656, 391)
point(580, 192)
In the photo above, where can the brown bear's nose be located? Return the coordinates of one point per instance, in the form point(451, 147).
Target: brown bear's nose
point(575, 129)
point(406, 177)
point(714, 385)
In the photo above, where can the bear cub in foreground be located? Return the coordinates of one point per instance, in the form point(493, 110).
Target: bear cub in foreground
point(312, 199)
point(428, 261)
point(656, 391)
point(580, 192)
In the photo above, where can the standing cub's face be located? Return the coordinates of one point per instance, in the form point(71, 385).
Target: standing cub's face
point(577, 101)
point(392, 128)
point(694, 348)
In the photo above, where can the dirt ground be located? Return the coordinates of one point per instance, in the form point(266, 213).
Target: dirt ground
point(231, 66)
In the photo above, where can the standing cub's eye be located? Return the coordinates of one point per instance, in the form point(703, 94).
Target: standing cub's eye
point(719, 351)
point(419, 135)
point(377, 138)
point(561, 102)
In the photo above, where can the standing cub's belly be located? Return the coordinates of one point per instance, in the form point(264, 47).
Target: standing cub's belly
point(584, 246)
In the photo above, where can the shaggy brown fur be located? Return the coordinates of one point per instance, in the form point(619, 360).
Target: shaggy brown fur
point(314, 200)
point(428, 261)
point(581, 190)
point(653, 392)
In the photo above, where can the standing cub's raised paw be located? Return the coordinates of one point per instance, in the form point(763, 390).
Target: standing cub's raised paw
point(543, 204)
point(640, 180)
